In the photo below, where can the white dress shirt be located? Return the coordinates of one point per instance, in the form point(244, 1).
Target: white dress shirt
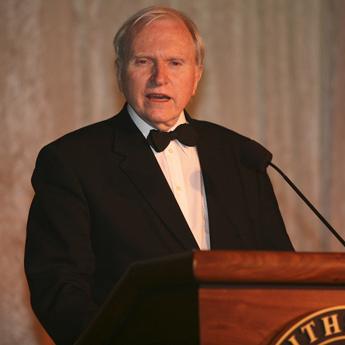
point(181, 167)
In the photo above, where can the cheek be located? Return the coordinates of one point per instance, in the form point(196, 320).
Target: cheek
point(131, 84)
point(190, 84)
point(136, 83)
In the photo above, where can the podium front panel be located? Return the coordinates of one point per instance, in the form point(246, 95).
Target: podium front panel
point(255, 315)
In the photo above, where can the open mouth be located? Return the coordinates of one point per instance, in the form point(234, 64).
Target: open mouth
point(158, 97)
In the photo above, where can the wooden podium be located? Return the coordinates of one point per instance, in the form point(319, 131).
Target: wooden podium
point(217, 297)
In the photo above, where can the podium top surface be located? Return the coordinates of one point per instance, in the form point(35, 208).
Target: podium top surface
point(269, 267)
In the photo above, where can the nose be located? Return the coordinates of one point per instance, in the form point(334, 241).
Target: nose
point(160, 74)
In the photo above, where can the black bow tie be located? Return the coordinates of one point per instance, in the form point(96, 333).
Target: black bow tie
point(184, 133)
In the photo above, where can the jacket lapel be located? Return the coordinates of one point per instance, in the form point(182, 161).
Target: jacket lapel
point(143, 170)
point(230, 226)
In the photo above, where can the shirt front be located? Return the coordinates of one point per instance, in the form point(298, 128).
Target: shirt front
point(181, 168)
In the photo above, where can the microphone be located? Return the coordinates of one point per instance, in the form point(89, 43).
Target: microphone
point(259, 158)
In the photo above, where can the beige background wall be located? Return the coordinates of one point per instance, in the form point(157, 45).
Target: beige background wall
point(274, 71)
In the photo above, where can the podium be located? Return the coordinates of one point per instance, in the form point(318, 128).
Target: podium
point(220, 297)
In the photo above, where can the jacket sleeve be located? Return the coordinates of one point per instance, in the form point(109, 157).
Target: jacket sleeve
point(59, 261)
point(273, 231)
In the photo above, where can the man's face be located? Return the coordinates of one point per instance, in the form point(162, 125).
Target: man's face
point(160, 75)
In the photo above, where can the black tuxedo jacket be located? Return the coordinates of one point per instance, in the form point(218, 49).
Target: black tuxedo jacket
point(102, 202)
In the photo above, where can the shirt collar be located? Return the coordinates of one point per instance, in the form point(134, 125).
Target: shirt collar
point(145, 128)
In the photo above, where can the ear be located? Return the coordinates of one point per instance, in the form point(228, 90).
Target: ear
point(118, 68)
point(197, 77)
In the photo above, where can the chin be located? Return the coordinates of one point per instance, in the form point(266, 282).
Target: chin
point(159, 120)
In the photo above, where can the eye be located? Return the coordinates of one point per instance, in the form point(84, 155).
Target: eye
point(142, 61)
point(176, 63)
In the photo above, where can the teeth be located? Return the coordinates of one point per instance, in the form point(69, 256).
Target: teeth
point(158, 96)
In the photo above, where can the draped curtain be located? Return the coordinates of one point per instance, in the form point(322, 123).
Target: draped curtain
point(273, 72)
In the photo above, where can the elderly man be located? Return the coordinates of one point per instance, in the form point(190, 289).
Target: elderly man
point(149, 182)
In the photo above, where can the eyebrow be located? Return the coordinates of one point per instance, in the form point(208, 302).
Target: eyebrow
point(146, 56)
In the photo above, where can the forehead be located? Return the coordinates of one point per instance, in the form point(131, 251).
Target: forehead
point(163, 33)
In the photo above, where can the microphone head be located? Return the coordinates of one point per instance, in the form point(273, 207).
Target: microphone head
point(255, 155)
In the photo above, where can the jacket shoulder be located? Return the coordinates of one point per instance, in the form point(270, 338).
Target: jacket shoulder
point(219, 135)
